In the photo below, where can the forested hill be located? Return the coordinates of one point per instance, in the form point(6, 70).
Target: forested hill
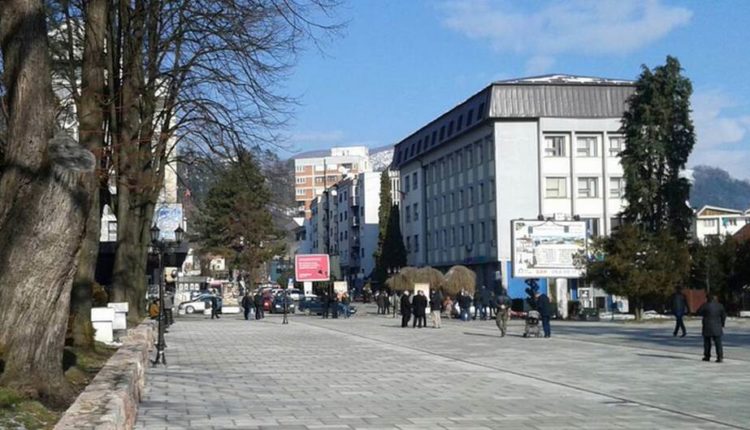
point(715, 187)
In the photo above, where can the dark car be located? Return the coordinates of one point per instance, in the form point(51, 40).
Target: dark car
point(313, 306)
point(277, 306)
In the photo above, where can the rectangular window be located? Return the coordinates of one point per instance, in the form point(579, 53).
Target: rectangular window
point(709, 223)
point(434, 137)
point(320, 168)
point(416, 243)
point(616, 145)
point(442, 133)
point(481, 231)
point(592, 226)
point(492, 190)
point(460, 123)
point(450, 129)
point(490, 147)
point(461, 199)
point(461, 236)
point(406, 183)
point(453, 236)
point(300, 192)
point(471, 234)
point(414, 181)
point(408, 243)
point(468, 158)
point(480, 111)
point(445, 238)
point(112, 231)
point(479, 152)
point(318, 179)
point(555, 187)
point(416, 211)
point(587, 187)
point(554, 146)
point(586, 146)
point(300, 180)
point(299, 168)
point(470, 197)
point(469, 117)
point(480, 196)
point(616, 187)
point(408, 213)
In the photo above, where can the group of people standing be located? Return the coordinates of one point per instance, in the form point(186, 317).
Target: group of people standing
point(253, 303)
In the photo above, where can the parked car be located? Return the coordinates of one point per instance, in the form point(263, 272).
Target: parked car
point(313, 306)
point(198, 304)
point(295, 294)
point(277, 305)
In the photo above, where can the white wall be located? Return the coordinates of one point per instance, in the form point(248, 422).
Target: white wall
point(370, 202)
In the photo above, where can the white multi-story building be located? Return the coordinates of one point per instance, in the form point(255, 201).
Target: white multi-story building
point(518, 149)
point(314, 175)
point(713, 221)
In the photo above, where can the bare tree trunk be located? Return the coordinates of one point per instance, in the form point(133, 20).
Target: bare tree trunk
point(42, 211)
point(91, 135)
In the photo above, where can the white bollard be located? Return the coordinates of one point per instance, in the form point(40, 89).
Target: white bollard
point(121, 315)
point(102, 319)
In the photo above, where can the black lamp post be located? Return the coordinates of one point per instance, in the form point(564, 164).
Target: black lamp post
point(161, 247)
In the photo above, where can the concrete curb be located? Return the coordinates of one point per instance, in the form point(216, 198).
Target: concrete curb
point(111, 400)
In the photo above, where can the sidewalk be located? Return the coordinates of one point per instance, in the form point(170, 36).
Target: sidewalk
point(368, 373)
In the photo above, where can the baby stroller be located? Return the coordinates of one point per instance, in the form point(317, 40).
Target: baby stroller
point(532, 324)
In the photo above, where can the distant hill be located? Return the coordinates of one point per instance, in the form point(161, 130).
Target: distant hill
point(715, 187)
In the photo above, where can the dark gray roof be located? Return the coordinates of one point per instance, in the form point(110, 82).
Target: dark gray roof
point(559, 100)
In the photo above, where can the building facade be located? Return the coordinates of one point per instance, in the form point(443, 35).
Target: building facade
point(713, 221)
point(518, 149)
point(314, 175)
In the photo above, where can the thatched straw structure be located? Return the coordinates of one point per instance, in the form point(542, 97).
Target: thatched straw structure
point(408, 276)
point(458, 278)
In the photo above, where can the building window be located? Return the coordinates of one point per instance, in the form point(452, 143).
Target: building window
point(299, 168)
point(460, 123)
point(406, 183)
point(587, 187)
point(492, 190)
point(408, 243)
point(408, 213)
point(453, 236)
point(468, 157)
point(445, 238)
point(469, 117)
point(450, 129)
point(480, 197)
point(480, 112)
point(416, 243)
point(592, 226)
point(434, 138)
point(300, 180)
point(461, 236)
point(471, 234)
point(616, 187)
point(318, 179)
point(470, 196)
point(586, 146)
point(554, 146)
point(300, 192)
point(320, 168)
point(479, 153)
point(481, 231)
point(461, 199)
point(414, 181)
point(442, 133)
point(709, 222)
point(416, 211)
point(616, 145)
point(555, 187)
point(112, 231)
point(615, 223)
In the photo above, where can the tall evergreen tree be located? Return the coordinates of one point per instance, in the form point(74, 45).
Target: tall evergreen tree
point(386, 202)
point(660, 137)
point(394, 252)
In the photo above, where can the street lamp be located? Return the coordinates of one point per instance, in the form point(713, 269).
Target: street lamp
point(161, 247)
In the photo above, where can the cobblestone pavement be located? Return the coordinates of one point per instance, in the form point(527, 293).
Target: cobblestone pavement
point(368, 373)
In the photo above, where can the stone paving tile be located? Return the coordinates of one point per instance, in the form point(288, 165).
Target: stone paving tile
point(368, 373)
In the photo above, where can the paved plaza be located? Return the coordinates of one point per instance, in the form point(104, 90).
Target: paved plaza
point(368, 373)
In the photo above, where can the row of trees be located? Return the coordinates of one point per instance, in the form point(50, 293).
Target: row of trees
point(98, 101)
point(651, 253)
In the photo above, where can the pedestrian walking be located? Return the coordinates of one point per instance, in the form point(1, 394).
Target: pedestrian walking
point(386, 303)
point(247, 304)
point(484, 302)
point(714, 318)
point(436, 305)
point(258, 303)
point(543, 307)
point(335, 305)
point(379, 301)
point(464, 304)
point(346, 301)
point(326, 300)
point(394, 303)
point(502, 314)
point(405, 309)
point(419, 304)
point(214, 307)
point(679, 309)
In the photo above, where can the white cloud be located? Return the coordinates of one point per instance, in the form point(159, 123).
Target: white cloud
point(712, 126)
point(579, 26)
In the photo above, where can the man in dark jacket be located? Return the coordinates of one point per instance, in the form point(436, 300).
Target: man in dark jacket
point(543, 307)
point(714, 317)
point(405, 309)
point(247, 303)
point(419, 303)
point(503, 312)
point(484, 302)
point(326, 301)
point(258, 303)
point(679, 309)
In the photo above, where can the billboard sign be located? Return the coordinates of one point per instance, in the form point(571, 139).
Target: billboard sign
point(312, 267)
point(547, 249)
point(168, 217)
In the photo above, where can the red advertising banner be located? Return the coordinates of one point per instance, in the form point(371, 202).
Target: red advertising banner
point(312, 267)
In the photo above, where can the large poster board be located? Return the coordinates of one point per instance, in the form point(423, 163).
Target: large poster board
point(546, 249)
point(168, 216)
point(312, 267)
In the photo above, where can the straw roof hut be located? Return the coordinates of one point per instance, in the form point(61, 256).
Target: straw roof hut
point(458, 278)
point(408, 276)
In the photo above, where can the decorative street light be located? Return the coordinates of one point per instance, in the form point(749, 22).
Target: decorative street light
point(161, 246)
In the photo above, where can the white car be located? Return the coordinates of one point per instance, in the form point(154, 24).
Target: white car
point(295, 294)
point(198, 304)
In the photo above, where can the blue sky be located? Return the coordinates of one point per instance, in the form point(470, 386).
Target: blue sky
point(401, 63)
